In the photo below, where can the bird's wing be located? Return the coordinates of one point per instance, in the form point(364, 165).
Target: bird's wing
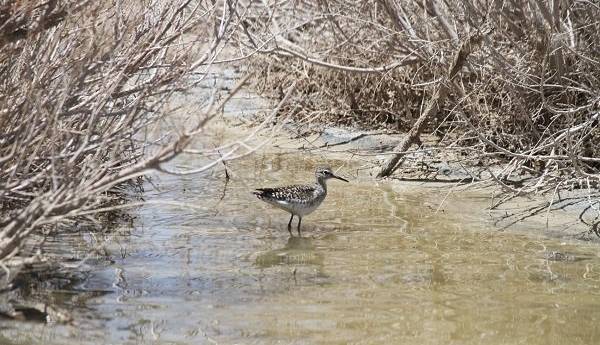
point(296, 193)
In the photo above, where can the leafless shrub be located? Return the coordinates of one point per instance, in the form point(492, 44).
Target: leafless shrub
point(79, 80)
point(514, 80)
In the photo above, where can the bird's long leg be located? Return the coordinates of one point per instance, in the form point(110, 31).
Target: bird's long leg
point(290, 224)
point(299, 222)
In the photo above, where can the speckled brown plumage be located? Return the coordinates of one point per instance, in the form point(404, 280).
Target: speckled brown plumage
point(296, 194)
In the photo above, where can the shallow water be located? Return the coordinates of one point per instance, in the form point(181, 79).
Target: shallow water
point(376, 265)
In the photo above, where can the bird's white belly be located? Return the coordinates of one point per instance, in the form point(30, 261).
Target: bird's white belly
point(299, 209)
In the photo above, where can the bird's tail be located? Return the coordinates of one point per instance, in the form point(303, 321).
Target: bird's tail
point(260, 193)
point(263, 193)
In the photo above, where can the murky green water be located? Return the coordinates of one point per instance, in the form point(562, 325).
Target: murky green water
point(376, 266)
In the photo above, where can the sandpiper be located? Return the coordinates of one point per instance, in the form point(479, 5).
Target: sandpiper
point(301, 199)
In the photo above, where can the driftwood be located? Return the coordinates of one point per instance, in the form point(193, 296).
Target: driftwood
point(431, 110)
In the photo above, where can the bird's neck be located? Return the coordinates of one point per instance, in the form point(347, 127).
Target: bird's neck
point(321, 182)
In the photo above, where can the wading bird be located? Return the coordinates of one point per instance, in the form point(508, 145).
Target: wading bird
point(301, 199)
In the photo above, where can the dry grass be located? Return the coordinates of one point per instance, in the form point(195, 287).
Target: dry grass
point(513, 80)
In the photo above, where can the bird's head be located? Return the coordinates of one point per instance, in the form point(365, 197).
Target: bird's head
point(324, 173)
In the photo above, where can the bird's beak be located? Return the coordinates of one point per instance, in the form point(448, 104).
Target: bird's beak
point(339, 178)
